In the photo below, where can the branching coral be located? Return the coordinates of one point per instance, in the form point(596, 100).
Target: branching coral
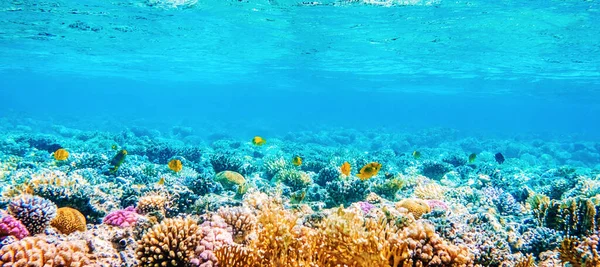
point(241, 220)
point(295, 179)
point(429, 191)
point(68, 220)
point(170, 243)
point(214, 236)
point(35, 251)
point(155, 204)
point(9, 226)
point(574, 216)
point(33, 211)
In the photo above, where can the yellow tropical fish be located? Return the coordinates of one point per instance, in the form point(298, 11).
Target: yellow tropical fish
point(297, 160)
point(61, 154)
point(345, 169)
point(416, 154)
point(259, 141)
point(161, 181)
point(369, 170)
point(175, 165)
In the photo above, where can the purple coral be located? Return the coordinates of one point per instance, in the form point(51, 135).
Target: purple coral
point(437, 204)
point(122, 218)
point(9, 226)
point(365, 206)
point(215, 235)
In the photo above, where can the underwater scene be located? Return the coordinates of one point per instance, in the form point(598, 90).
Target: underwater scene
point(328, 133)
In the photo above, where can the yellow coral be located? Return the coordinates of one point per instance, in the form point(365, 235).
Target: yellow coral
point(430, 191)
point(152, 203)
point(170, 243)
point(68, 220)
point(35, 251)
point(415, 206)
point(241, 221)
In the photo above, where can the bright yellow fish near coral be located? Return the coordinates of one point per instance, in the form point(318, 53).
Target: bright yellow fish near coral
point(345, 169)
point(61, 154)
point(369, 170)
point(259, 141)
point(175, 165)
point(297, 160)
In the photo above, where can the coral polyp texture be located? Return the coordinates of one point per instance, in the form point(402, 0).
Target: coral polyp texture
point(35, 251)
point(68, 220)
point(171, 243)
point(229, 202)
point(33, 211)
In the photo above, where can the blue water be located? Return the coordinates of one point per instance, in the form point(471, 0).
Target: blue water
point(493, 67)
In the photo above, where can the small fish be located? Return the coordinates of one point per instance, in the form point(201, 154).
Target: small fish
point(499, 158)
point(175, 165)
point(345, 168)
point(61, 154)
point(117, 160)
point(297, 197)
point(114, 147)
point(389, 175)
point(297, 160)
point(416, 154)
point(259, 141)
point(161, 181)
point(369, 170)
point(472, 157)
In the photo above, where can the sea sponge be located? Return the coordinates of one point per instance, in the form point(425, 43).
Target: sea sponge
point(68, 220)
point(415, 206)
point(9, 226)
point(33, 211)
point(122, 218)
point(241, 220)
point(170, 243)
point(35, 251)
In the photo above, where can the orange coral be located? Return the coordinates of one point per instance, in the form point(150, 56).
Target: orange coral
point(170, 243)
point(68, 220)
point(415, 206)
point(35, 251)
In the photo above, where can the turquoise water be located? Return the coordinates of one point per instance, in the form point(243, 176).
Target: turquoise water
point(506, 66)
point(471, 131)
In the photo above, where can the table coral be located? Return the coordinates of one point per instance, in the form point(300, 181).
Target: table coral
point(68, 220)
point(35, 251)
point(33, 211)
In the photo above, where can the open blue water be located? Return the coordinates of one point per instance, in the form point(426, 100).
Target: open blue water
point(501, 67)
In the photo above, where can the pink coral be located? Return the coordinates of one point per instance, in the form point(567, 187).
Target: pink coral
point(437, 204)
point(9, 226)
point(215, 236)
point(122, 218)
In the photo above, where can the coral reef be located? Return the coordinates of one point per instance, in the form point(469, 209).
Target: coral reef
point(68, 220)
point(122, 218)
point(35, 251)
point(33, 211)
point(11, 227)
point(170, 243)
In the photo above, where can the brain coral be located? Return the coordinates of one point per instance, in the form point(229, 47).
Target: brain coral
point(35, 251)
point(33, 211)
point(69, 220)
point(415, 206)
point(170, 243)
point(122, 218)
point(9, 226)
